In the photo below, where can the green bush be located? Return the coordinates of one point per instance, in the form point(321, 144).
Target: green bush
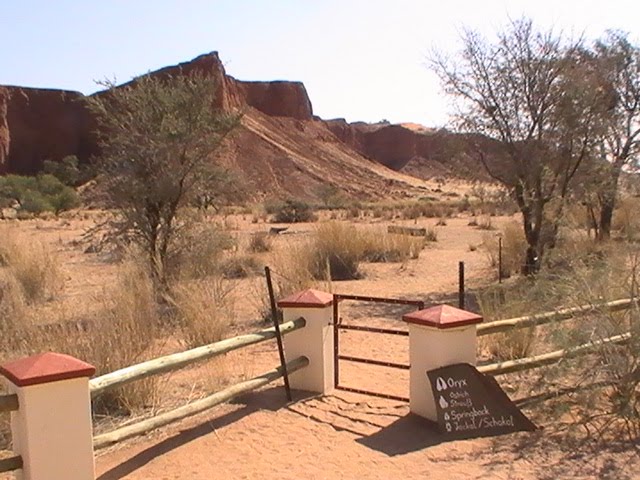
point(44, 193)
point(293, 211)
point(66, 171)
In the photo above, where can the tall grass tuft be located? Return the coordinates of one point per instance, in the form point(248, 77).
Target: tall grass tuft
point(13, 313)
point(337, 250)
point(199, 249)
point(127, 327)
point(204, 310)
point(513, 248)
point(33, 265)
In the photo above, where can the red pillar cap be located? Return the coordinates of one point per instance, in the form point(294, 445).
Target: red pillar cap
point(45, 368)
point(309, 298)
point(443, 317)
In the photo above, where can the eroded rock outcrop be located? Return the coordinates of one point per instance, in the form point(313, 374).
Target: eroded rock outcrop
point(418, 151)
point(51, 124)
point(4, 129)
point(228, 96)
point(278, 99)
point(45, 125)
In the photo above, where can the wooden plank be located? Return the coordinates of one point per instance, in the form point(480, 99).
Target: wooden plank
point(8, 403)
point(548, 317)
point(529, 363)
point(176, 361)
point(198, 406)
point(412, 231)
point(10, 464)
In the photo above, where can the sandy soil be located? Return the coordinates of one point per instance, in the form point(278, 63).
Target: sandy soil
point(343, 435)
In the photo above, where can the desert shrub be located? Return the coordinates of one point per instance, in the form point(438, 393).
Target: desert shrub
point(413, 211)
point(513, 248)
point(271, 206)
point(294, 211)
point(290, 273)
point(121, 334)
point(260, 242)
point(331, 197)
point(431, 235)
point(615, 409)
point(13, 312)
point(485, 223)
point(384, 247)
point(238, 266)
point(67, 170)
point(339, 249)
point(336, 248)
point(377, 212)
point(429, 209)
point(518, 343)
point(197, 250)
point(157, 137)
point(44, 193)
point(204, 310)
point(258, 214)
point(353, 212)
point(33, 265)
point(129, 322)
point(626, 219)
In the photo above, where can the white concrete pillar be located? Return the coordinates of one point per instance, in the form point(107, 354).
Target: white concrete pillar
point(438, 336)
point(52, 428)
point(314, 341)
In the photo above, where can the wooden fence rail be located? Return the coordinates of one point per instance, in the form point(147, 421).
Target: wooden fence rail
point(10, 464)
point(548, 317)
point(8, 403)
point(176, 361)
point(528, 363)
point(198, 406)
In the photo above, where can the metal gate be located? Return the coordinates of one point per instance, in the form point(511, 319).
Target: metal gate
point(338, 325)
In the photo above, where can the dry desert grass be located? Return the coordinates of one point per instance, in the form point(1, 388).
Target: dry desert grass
point(211, 306)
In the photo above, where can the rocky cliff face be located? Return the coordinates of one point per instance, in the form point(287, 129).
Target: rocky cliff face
point(4, 129)
point(278, 99)
point(420, 152)
point(51, 124)
point(45, 125)
point(280, 148)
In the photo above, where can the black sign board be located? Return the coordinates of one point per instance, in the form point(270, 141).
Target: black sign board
point(470, 404)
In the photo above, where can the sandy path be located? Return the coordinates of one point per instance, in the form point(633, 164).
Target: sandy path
point(345, 435)
point(341, 436)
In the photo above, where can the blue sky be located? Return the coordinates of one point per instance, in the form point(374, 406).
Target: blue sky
point(361, 60)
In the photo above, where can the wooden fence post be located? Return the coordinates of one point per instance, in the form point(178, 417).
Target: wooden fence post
point(438, 336)
point(52, 429)
point(314, 341)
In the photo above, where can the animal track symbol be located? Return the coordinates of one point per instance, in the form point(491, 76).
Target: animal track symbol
point(446, 416)
point(448, 426)
point(443, 402)
point(441, 384)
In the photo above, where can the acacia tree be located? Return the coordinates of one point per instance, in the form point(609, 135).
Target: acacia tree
point(158, 138)
point(527, 90)
point(619, 66)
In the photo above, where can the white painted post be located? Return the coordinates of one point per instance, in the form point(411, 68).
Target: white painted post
point(52, 428)
point(314, 341)
point(438, 336)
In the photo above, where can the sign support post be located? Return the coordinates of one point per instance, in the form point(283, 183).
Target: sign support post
point(438, 336)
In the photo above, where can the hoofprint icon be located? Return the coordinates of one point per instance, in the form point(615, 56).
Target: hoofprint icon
point(441, 384)
point(443, 402)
